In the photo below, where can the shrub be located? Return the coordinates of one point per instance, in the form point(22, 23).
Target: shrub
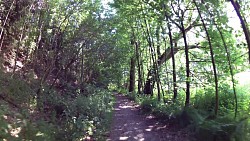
point(223, 129)
point(148, 104)
point(87, 116)
point(15, 90)
point(16, 126)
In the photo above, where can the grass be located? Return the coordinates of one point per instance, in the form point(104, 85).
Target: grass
point(199, 117)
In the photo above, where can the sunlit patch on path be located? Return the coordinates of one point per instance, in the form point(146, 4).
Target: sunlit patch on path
point(129, 125)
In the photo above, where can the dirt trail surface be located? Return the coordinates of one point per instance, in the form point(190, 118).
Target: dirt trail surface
point(128, 124)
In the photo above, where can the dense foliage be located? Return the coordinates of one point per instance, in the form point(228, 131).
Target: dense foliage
point(187, 55)
point(56, 59)
point(180, 59)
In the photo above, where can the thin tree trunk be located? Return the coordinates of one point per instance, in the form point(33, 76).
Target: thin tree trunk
point(231, 71)
point(172, 55)
point(187, 65)
point(132, 75)
point(4, 23)
point(35, 59)
point(142, 70)
point(213, 61)
point(152, 75)
point(157, 75)
point(163, 58)
point(229, 62)
point(137, 55)
point(243, 24)
point(138, 67)
point(18, 48)
point(82, 63)
point(158, 41)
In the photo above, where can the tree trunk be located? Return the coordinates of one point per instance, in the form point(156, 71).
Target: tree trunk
point(187, 65)
point(158, 40)
point(136, 43)
point(229, 62)
point(18, 48)
point(132, 75)
point(172, 55)
point(231, 71)
point(82, 66)
point(243, 24)
point(157, 76)
point(138, 67)
point(4, 23)
point(164, 57)
point(213, 61)
point(153, 73)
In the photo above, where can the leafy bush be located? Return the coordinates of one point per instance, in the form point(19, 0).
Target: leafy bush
point(70, 114)
point(15, 90)
point(87, 116)
point(223, 129)
point(148, 104)
point(132, 96)
point(160, 109)
point(199, 117)
point(225, 126)
point(16, 126)
point(204, 99)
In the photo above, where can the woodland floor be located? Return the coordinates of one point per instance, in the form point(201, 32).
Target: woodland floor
point(131, 125)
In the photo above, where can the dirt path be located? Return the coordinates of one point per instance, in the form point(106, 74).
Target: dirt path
point(128, 124)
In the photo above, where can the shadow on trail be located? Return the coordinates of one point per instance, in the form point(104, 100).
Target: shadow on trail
point(128, 124)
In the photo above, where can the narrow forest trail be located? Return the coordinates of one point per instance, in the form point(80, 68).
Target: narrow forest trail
point(128, 124)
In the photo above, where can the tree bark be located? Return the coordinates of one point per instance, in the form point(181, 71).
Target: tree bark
point(165, 57)
point(167, 54)
point(172, 55)
point(138, 67)
point(243, 24)
point(4, 23)
point(187, 65)
point(136, 43)
point(132, 75)
point(213, 61)
point(153, 75)
point(228, 61)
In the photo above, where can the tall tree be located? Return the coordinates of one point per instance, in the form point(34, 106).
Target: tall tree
point(132, 75)
point(213, 60)
point(172, 53)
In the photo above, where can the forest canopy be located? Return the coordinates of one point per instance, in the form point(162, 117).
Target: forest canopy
point(181, 53)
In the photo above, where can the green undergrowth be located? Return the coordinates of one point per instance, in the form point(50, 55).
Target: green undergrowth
point(88, 117)
point(71, 115)
point(199, 117)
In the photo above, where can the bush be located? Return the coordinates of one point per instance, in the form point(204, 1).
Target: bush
point(15, 90)
point(16, 126)
point(87, 116)
point(148, 104)
point(132, 96)
point(223, 129)
point(225, 126)
point(65, 115)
